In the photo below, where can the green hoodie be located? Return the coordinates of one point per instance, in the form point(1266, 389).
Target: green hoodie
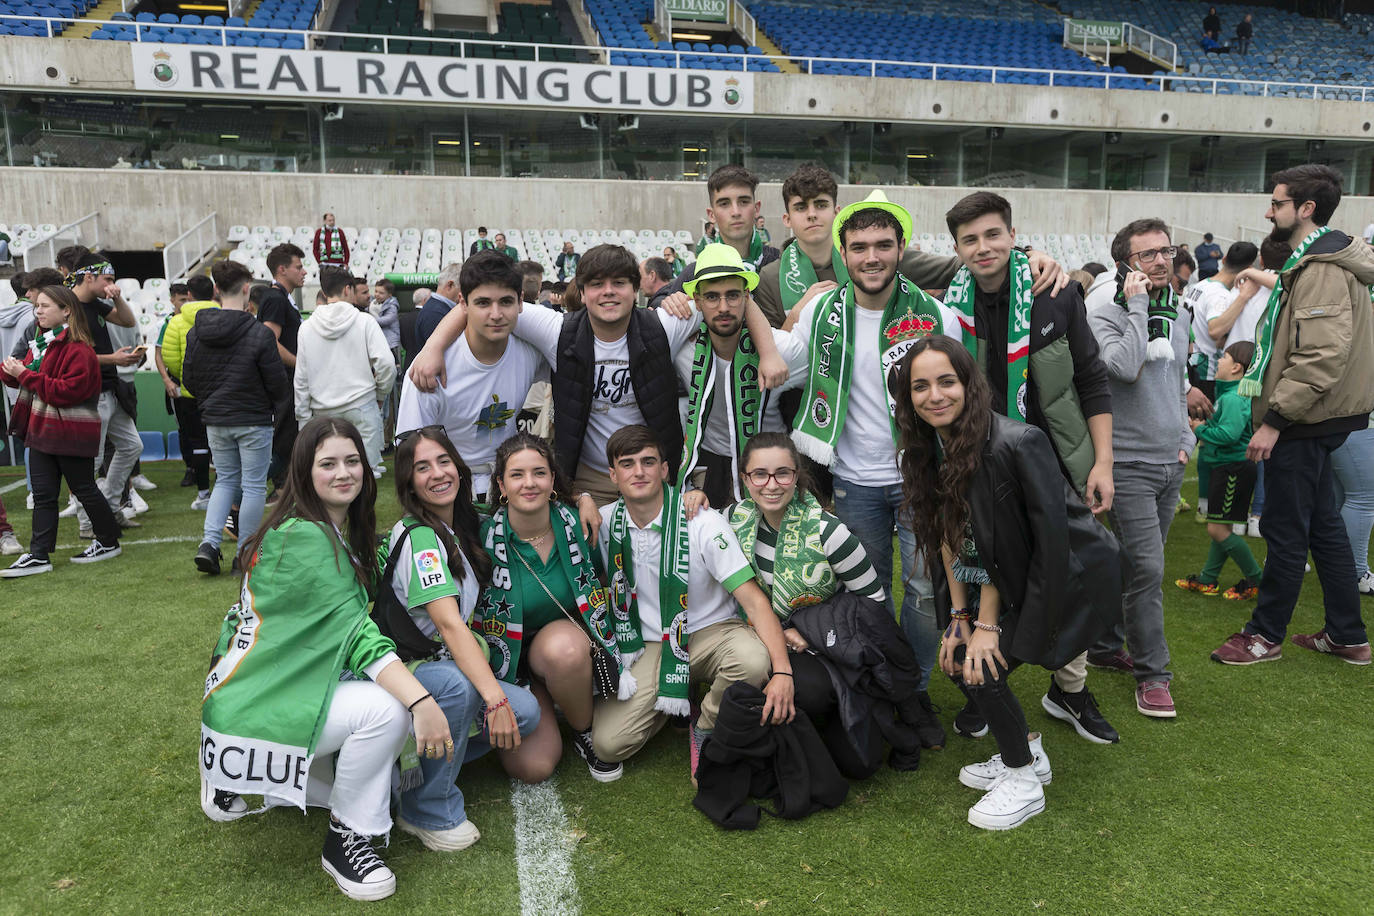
point(1226, 435)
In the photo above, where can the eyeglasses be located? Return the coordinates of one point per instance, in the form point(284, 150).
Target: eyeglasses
point(1275, 204)
point(434, 429)
point(1154, 254)
point(784, 476)
point(732, 297)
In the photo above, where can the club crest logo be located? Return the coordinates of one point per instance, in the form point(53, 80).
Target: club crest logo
point(677, 635)
point(821, 414)
point(732, 93)
point(164, 71)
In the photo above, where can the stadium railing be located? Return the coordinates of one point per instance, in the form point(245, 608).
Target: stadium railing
point(187, 249)
point(907, 69)
point(42, 252)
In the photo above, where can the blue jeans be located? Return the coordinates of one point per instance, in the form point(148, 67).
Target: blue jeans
point(241, 455)
point(870, 513)
point(438, 803)
point(1353, 464)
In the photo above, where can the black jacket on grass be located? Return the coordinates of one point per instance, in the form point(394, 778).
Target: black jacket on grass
point(233, 366)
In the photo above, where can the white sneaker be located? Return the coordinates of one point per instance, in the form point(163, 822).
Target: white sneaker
point(1252, 527)
point(201, 502)
point(1238, 529)
point(1014, 798)
point(140, 482)
point(96, 552)
point(379, 470)
point(1366, 583)
point(28, 502)
point(983, 775)
point(219, 805)
point(26, 565)
point(9, 544)
point(72, 508)
point(454, 838)
point(138, 503)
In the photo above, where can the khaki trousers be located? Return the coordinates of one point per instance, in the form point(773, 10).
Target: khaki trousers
point(596, 482)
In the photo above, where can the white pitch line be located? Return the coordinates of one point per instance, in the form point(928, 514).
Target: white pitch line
point(175, 539)
point(12, 486)
point(543, 851)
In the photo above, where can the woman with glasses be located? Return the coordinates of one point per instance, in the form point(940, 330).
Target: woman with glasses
point(818, 557)
point(437, 569)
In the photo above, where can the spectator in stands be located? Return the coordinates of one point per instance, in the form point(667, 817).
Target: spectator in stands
point(1143, 334)
point(708, 236)
point(330, 246)
point(732, 206)
point(233, 364)
point(674, 262)
point(5, 248)
point(1211, 46)
point(58, 417)
point(1211, 23)
point(1208, 256)
point(762, 228)
point(1311, 389)
point(654, 274)
point(677, 584)
point(195, 447)
point(1058, 383)
point(344, 368)
point(1245, 33)
point(438, 303)
point(93, 282)
point(279, 314)
point(507, 250)
point(566, 262)
point(481, 243)
point(532, 273)
point(489, 374)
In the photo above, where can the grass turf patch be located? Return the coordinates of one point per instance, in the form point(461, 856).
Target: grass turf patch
point(1252, 801)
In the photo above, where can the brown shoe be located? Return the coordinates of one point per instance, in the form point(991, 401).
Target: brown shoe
point(1320, 642)
point(1247, 649)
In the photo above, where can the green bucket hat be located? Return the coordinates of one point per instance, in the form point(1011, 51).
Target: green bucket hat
point(719, 260)
point(876, 200)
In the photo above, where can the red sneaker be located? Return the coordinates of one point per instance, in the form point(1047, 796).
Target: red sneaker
point(1320, 642)
point(1117, 660)
point(1152, 698)
point(1247, 649)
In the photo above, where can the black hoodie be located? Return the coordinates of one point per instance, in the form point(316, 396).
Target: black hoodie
point(233, 366)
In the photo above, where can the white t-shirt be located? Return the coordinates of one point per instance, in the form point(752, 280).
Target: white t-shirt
point(1207, 299)
point(480, 403)
point(716, 568)
point(865, 452)
point(1244, 328)
point(614, 405)
point(422, 575)
point(716, 434)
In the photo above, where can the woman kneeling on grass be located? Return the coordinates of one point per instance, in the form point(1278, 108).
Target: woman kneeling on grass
point(544, 605)
point(56, 416)
point(1032, 577)
point(275, 712)
point(437, 569)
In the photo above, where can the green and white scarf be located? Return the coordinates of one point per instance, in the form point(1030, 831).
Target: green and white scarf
point(910, 314)
point(756, 243)
point(1160, 315)
point(331, 245)
point(39, 346)
point(960, 297)
point(796, 273)
point(674, 673)
point(484, 244)
point(745, 407)
point(801, 570)
point(500, 616)
point(1253, 382)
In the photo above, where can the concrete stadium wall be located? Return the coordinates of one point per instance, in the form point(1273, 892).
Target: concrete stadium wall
point(143, 209)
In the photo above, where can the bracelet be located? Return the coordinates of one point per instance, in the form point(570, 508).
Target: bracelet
point(961, 614)
point(505, 701)
point(783, 674)
point(990, 627)
point(427, 696)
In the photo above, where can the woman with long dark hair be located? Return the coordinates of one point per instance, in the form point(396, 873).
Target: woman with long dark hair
point(1032, 578)
point(545, 610)
point(438, 570)
point(277, 719)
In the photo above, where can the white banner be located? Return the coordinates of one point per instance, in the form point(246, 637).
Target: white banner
point(323, 76)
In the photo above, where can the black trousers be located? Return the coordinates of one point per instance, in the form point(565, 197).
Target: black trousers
point(283, 441)
point(815, 696)
point(999, 708)
point(195, 445)
point(47, 472)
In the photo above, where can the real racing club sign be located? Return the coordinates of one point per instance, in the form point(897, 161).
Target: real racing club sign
point(325, 75)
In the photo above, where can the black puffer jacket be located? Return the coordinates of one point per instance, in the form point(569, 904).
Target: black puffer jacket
point(233, 366)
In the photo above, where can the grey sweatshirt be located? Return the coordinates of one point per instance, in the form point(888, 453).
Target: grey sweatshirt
point(1149, 398)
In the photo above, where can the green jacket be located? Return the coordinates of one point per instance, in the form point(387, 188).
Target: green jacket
point(1226, 435)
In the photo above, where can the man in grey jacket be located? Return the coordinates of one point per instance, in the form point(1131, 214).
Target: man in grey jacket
point(1142, 332)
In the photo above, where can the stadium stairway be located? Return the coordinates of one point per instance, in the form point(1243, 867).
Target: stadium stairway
point(104, 10)
point(774, 52)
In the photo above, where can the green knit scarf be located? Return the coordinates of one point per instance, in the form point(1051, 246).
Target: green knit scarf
point(960, 298)
point(796, 273)
point(1253, 382)
point(39, 346)
point(745, 406)
point(801, 570)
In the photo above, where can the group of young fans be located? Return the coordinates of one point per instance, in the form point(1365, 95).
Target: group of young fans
point(706, 538)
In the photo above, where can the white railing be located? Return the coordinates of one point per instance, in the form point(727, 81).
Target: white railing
point(1254, 234)
point(1151, 45)
point(186, 250)
point(42, 252)
point(1088, 42)
point(1210, 85)
point(663, 20)
point(1189, 234)
point(744, 23)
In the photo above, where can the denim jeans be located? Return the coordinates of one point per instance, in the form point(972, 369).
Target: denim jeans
point(870, 513)
point(1353, 464)
point(1301, 515)
point(241, 455)
point(1144, 505)
point(438, 803)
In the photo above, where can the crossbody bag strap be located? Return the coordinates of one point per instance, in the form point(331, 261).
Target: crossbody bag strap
point(576, 620)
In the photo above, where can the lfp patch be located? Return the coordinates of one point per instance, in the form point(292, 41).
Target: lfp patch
point(430, 567)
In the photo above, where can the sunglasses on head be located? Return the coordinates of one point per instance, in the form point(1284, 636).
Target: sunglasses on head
point(434, 429)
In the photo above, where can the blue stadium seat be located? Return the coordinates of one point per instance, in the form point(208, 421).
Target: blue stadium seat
point(154, 448)
point(174, 446)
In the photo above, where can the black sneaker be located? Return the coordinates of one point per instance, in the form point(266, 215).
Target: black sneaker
point(928, 727)
point(969, 722)
point(354, 865)
point(601, 770)
point(207, 559)
point(96, 551)
point(189, 478)
point(1080, 711)
point(26, 565)
point(220, 805)
point(231, 525)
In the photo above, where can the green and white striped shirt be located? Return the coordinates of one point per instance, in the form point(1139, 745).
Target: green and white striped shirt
point(846, 555)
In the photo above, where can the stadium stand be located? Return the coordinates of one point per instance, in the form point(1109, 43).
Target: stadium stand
point(521, 24)
point(621, 24)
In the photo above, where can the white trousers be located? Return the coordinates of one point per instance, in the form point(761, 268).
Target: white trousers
point(120, 427)
point(367, 416)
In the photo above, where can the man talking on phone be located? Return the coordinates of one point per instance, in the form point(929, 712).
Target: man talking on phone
point(1142, 330)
